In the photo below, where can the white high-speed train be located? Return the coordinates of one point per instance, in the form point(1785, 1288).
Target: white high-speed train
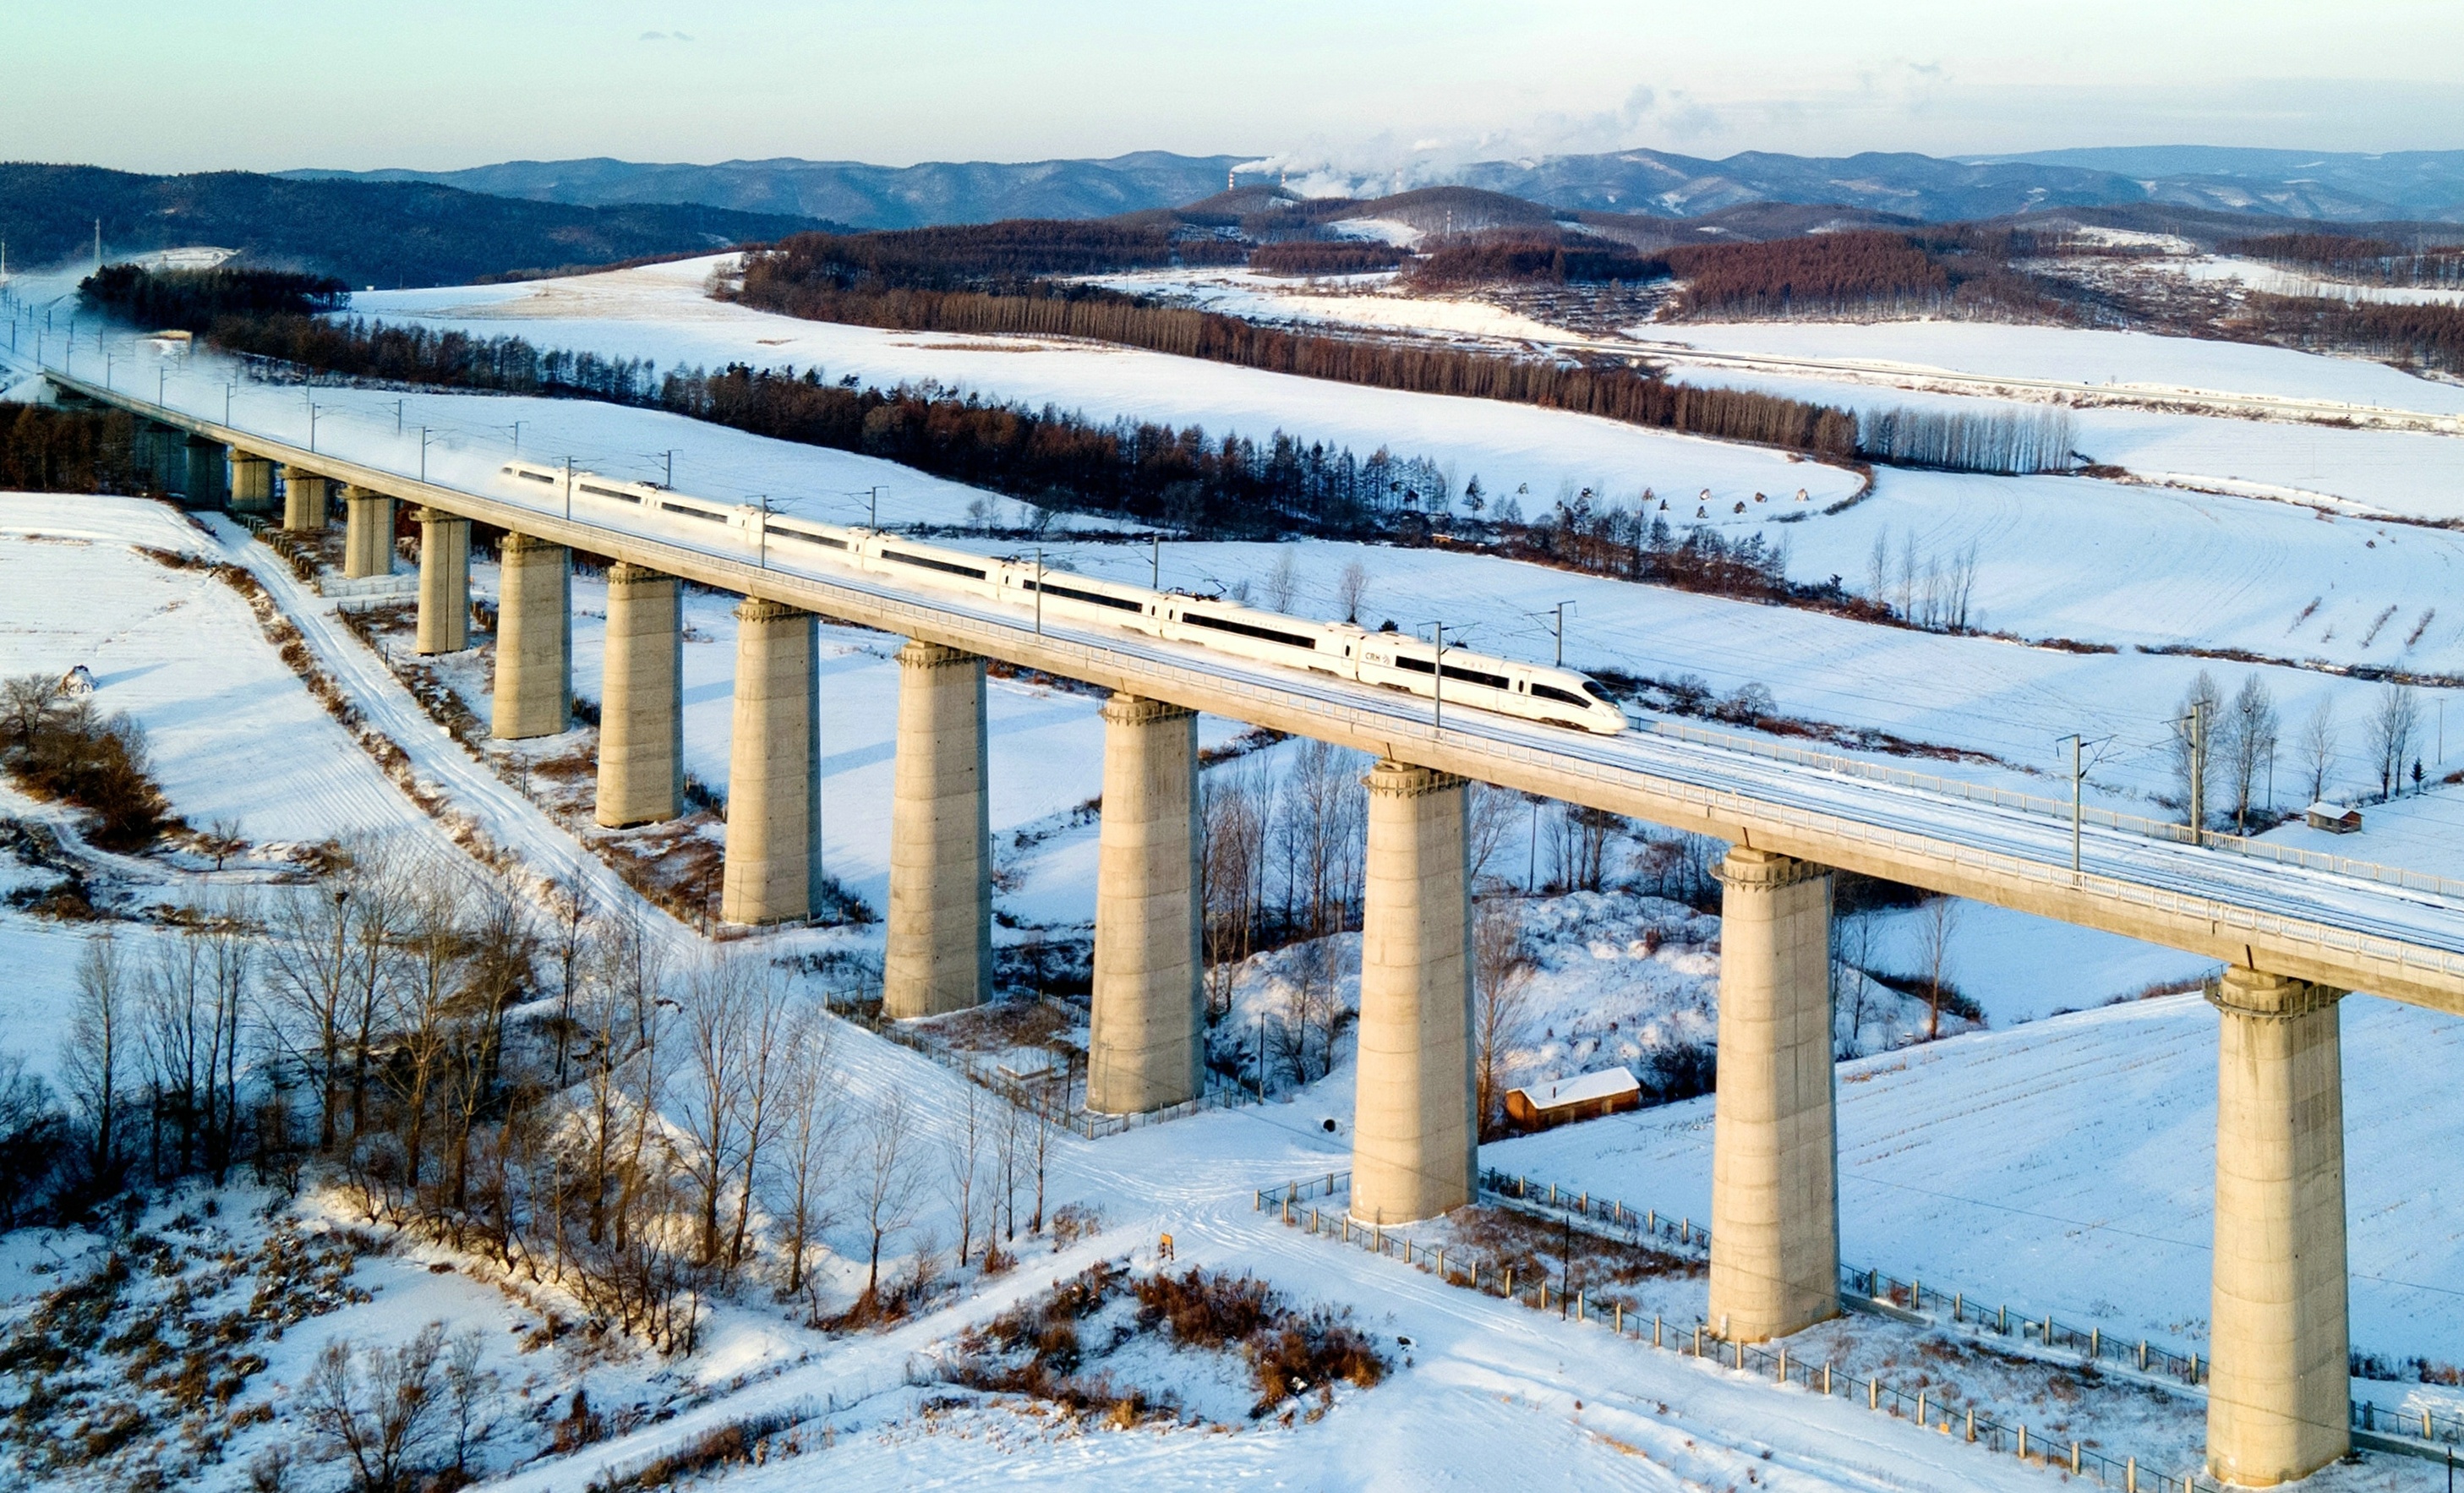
point(1396, 661)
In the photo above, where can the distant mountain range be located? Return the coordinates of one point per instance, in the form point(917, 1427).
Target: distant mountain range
point(2421, 186)
point(2417, 186)
point(371, 233)
point(849, 191)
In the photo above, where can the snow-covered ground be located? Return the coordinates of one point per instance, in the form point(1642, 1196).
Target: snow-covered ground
point(2072, 356)
point(2276, 280)
point(661, 312)
point(1353, 300)
point(2067, 1165)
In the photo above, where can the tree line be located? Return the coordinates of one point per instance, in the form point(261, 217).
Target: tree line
point(2372, 261)
point(1611, 390)
point(965, 254)
point(1861, 273)
point(513, 1069)
point(2011, 442)
point(1317, 256)
point(195, 299)
point(2423, 336)
point(44, 448)
point(1526, 257)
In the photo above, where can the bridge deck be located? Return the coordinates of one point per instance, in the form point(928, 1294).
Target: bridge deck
point(2352, 933)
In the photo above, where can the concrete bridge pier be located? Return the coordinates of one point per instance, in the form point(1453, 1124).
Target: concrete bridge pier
point(251, 483)
point(2277, 1395)
point(303, 501)
point(641, 707)
point(1415, 1143)
point(1774, 1149)
point(367, 534)
point(165, 458)
point(940, 956)
point(203, 472)
point(1146, 1049)
point(774, 806)
point(444, 583)
point(534, 694)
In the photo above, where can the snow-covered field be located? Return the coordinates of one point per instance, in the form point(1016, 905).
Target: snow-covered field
point(2058, 1162)
point(2070, 355)
point(661, 312)
point(2067, 1165)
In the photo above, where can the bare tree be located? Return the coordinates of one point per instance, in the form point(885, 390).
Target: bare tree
point(886, 1180)
point(1281, 581)
point(1502, 972)
point(2245, 744)
point(1492, 814)
point(381, 1419)
point(964, 1148)
point(97, 1050)
point(1238, 810)
point(2191, 743)
point(1852, 953)
point(711, 1101)
point(1937, 921)
point(2391, 730)
point(2318, 746)
point(769, 1027)
point(799, 1167)
point(1352, 591)
point(469, 1395)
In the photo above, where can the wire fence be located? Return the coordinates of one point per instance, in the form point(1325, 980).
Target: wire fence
point(2062, 810)
point(2093, 1343)
point(2424, 1424)
point(1303, 1205)
point(1056, 1092)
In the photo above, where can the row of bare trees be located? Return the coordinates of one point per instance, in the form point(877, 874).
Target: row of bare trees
point(514, 1070)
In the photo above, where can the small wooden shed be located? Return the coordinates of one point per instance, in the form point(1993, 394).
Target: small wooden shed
point(1542, 1106)
point(2337, 818)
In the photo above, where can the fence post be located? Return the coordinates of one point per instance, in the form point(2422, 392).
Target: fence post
point(1698, 1340)
point(2075, 1459)
point(2142, 1355)
point(1972, 1425)
point(1826, 1379)
point(1873, 1394)
point(2096, 1343)
point(2130, 1475)
point(2023, 1440)
point(1654, 1330)
point(1921, 1410)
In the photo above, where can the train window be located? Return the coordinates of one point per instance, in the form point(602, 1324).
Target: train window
point(1092, 598)
point(928, 562)
point(693, 512)
point(1249, 631)
point(810, 538)
point(596, 490)
point(537, 476)
point(1550, 692)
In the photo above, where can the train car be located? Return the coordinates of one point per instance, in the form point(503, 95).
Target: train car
point(1388, 660)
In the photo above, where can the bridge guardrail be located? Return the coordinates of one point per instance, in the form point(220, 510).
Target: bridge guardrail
point(2061, 809)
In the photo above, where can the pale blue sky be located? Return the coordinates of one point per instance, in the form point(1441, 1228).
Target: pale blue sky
point(1369, 84)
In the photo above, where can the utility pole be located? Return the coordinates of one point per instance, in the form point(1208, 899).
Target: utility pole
point(98, 242)
point(397, 417)
point(312, 424)
point(569, 494)
point(1561, 632)
point(1155, 565)
point(2077, 778)
point(1039, 591)
point(1437, 675)
point(764, 499)
point(423, 453)
point(670, 454)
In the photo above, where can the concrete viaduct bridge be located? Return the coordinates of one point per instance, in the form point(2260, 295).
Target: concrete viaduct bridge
point(2294, 940)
